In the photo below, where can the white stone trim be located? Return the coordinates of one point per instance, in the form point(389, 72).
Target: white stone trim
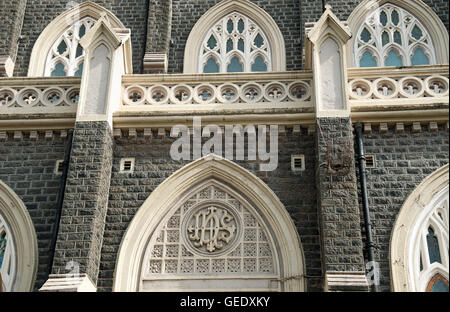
point(156, 61)
point(68, 283)
point(329, 29)
point(54, 30)
point(404, 247)
point(245, 7)
point(430, 20)
point(149, 216)
point(6, 65)
point(15, 214)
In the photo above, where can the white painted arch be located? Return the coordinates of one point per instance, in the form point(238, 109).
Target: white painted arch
point(219, 11)
point(404, 245)
point(54, 30)
point(419, 9)
point(18, 222)
point(160, 202)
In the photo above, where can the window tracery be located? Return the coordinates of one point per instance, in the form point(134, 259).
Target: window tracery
point(235, 44)
point(66, 56)
point(391, 36)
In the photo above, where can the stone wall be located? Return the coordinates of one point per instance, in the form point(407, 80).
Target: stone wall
point(153, 165)
point(13, 10)
point(338, 198)
point(402, 161)
point(27, 166)
point(80, 235)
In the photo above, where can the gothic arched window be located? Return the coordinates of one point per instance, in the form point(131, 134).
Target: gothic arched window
point(235, 44)
point(66, 56)
point(7, 257)
point(419, 245)
point(391, 36)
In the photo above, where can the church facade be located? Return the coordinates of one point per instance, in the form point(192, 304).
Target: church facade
point(233, 145)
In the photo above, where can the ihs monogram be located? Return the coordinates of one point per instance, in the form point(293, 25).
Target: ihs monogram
point(212, 226)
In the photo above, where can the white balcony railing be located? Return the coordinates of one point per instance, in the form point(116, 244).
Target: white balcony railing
point(387, 87)
point(219, 91)
point(47, 96)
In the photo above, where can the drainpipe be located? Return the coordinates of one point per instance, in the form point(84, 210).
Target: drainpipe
point(365, 202)
point(62, 189)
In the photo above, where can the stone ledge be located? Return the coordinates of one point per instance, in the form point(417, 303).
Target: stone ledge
point(346, 281)
point(68, 283)
point(155, 61)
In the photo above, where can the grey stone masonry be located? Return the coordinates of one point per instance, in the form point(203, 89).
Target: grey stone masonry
point(339, 216)
point(28, 167)
point(80, 235)
point(159, 25)
point(402, 162)
point(12, 12)
point(153, 165)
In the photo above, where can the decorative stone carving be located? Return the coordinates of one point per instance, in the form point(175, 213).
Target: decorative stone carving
point(211, 228)
point(212, 232)
point(289, 90)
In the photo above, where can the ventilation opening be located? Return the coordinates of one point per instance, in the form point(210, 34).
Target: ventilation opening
point(59, 166)
point(370, 161)
point(297, 163)
point(127, 165)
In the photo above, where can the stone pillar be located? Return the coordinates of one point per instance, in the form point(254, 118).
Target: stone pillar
point(80, 237)
point(14, 10)
point(340, 229)
point(159, 24)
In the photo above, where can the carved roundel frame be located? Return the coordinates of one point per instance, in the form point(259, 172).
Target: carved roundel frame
point(189, 231)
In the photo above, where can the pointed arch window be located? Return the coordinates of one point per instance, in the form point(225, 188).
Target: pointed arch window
point(235, 44)
point(66, 56)
point(430, 271)
point(7, 258)
point(391, 36)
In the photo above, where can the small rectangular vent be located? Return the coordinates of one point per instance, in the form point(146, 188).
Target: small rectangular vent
point(297, 163)
point(127, 165)
point(59, 166)
point(370, 161)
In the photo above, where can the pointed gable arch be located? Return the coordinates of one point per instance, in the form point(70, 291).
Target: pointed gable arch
point(186, 186)
point(20, 257)
point(424, 214)
point(86, 11)
point(417, 8)
point(221, 10)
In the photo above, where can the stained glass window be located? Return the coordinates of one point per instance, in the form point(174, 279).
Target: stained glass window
point(439, 286)
point(211, 66)
point(235, 65)
point(367, 60)
point(396, 37)
point(66, 56)
point(235, 44)
point(419, 57)
point(3, 242)
point(433, 247)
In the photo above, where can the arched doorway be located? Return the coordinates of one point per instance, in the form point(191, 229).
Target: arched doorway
point(18, 244)
point(211, 226)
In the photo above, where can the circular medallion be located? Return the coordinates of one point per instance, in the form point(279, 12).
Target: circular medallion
point(211, 228)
